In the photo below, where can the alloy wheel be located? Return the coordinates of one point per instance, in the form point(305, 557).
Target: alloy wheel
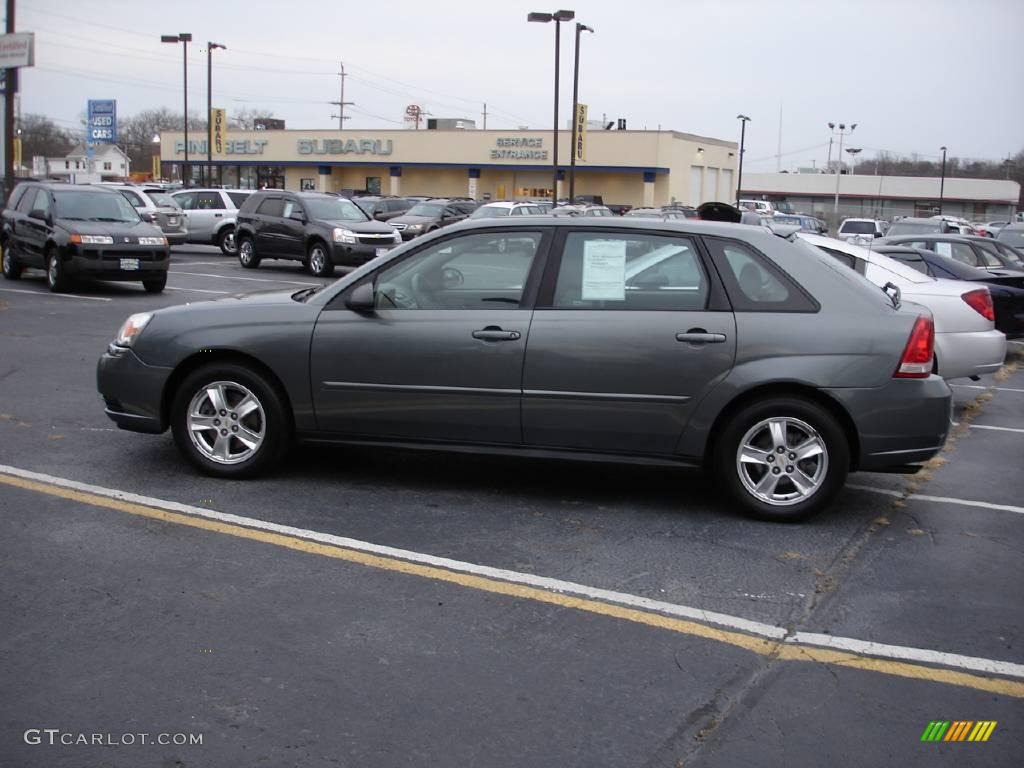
point(226, 422)
point(782, 461)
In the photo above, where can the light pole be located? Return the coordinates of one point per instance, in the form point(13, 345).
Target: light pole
point(156, 171)
point(743, 137)
point(839, 171)
point(942, 180)
point(853, 152)
point(580, 28)
point(558, 17)
point(184, 38)
point(210, 47)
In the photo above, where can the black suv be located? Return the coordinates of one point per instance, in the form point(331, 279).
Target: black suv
point(318, 229)
point(430, 215)
point(383, 208)
point(85, 231)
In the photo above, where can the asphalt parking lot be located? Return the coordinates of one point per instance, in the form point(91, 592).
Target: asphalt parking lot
point(380, 607)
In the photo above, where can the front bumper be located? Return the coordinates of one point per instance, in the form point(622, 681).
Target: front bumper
point(105, 262)
point(970, 353)
point(345, 254)
point(132, 391)
point(904, 422)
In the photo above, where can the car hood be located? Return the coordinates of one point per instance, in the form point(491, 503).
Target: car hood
point(138, 229)
point(407, 219)
point(363, 227)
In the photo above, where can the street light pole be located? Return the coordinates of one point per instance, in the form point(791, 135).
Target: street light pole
point(558, 17)
point(575, 109)
point(184, 38)
point(209, 107)
point(743, 137)
point(942, 180)
point(839, 171)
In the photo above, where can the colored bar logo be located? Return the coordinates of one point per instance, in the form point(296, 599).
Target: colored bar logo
point(958, 730)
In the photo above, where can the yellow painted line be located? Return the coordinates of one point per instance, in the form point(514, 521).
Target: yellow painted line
point(761, 646)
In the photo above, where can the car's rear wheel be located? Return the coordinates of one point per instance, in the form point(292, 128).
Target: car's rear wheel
point(782, 459)
point(155, 285)
point(56, 277)
point(12, 269)
point(318, 261)
point(230, 421)
point(247, 255)
point(226, 241)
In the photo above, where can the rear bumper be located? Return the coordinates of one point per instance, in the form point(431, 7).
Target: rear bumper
point(131, 390)
point(904, 422)
point(176, 238)
point(969, 353)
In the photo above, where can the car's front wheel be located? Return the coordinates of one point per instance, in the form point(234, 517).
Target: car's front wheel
point(230, 421)
point(247, 255)
point(319, 261)
point(782, 459)
point(155, 285)
point(226, 241)
point(12, 269)
point(56, 277)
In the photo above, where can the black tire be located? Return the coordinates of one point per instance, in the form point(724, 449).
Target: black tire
point(56, 278)
point(273, 417)
point(750, 423)
point(318, 260)
point(155, 285)
point(226, 241)
point(11, 268)
point(247, 255)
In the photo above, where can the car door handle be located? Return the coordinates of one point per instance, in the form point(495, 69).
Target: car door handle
point(493, 333)
point(217, 215)
point(700, 336)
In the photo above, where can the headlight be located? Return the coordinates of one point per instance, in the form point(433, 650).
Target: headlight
point(152, 241)
point(92, 239)
point(344, 235)
point(132, 328)
point(414, 227)
point(397, 236)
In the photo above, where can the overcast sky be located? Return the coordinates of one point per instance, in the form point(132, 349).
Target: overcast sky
point(913, 74)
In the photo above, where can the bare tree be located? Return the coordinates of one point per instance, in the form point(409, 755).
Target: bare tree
point(245, 118)
point(40, 136)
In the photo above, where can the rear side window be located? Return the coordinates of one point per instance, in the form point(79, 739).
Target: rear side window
point(601, 270)
point(16, 195)
point(272, 206)
point(753, 283)
point(208, 201)
point(25, 204)
point(238, 198)
point(186, 200)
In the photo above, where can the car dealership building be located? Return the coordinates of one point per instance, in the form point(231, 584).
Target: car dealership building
point(627, 167)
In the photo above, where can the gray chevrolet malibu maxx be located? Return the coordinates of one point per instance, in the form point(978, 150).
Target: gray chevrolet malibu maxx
point(679, 343)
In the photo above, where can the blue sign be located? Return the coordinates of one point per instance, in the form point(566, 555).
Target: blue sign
point(101, 127)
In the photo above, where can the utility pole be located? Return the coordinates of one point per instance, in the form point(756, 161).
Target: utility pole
point(485, 115)
point(341, 103)
point(9, 91)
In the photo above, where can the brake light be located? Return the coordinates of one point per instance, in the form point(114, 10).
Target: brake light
point(916, 362)
point(980, 300)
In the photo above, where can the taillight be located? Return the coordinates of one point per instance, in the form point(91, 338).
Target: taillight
point(916, 362)
point(980, 301)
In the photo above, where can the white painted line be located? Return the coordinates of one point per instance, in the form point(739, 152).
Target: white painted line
point(938, 499)
point(228, 260)
point(235, 277)
point(197, 290)
point(867, 648)
point(993, 389)
point(761, 629)
point(998, 429)
point(56, 295)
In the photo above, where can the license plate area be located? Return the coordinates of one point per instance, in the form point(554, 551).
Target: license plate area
point(129, 264)
point(382, 251)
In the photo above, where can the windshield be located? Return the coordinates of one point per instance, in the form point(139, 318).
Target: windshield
point(426, 209)
point(1013, 237)
point(95, 206)
point(914, 228)
point(858, 228)
point(490, 212)
point(334, 209)
point(162, 199)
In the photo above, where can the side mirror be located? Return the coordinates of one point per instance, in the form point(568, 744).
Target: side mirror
point(361, 298)
point(379, 215)
point(297, 216)
point(40, 215)
point(878, 234)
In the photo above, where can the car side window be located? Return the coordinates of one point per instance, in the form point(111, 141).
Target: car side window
point(753, 284)
point(134, 199)
point(237, 198)
point(16, 197)
point(187, 200)
point(845, 258)
point(959, 251)
point(480, 271)
point(291, 207)
point(986, 257)
point(209, 201)
point(600, 270)
point(28, 200)
point(912, 260)
point(41, 202)
point(272, 206)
